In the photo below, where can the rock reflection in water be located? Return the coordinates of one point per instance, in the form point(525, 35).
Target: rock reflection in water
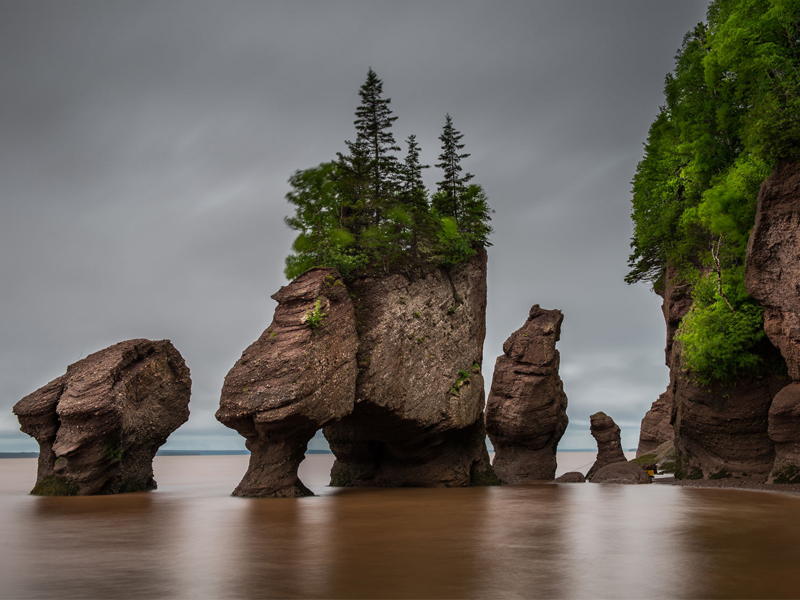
point(98, 547)
point(191, 540)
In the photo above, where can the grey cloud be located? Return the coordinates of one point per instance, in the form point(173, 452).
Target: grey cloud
point(145, 150)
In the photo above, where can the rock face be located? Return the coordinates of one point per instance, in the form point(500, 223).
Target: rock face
point(722, 431)
point(773, 278)
point(571, 477)
point(717, 431)
point(656, 425)
point(609, 444)
point(656, 428)
point(297, 377)
point(100, 424)
point(418, 417)
point(621, 473)
point(526, 412)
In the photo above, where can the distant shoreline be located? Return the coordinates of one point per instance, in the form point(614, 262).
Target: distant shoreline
point(209, 453)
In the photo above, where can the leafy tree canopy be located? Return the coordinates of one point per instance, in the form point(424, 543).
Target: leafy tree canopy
point(731, 112)
point(368, 211)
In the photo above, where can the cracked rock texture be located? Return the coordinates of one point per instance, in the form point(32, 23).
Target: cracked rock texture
point(609, 445)
point(100, 424)
point(418, 415)
point(526, 412)
point(773, 278)
point(297, 377)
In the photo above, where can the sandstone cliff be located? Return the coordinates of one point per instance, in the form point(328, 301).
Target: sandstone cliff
point(297, 377)
point(773, 278)
point(418, 416)
point(100, 424)
point(656, 426)
point(526, 412)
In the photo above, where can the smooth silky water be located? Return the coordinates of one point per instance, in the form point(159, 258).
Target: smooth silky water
point(190, 539)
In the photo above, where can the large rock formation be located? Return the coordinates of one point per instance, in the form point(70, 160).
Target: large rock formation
point(609, 443)
point(722, 431)
point(297, 377)
point(526, 412)
point(656, 425)
point(418, 417)
point(719, 431)
point(773, 278)
point(99, 425)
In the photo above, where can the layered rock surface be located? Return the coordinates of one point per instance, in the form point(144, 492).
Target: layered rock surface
point(418, 416)
point(526, 412)
point(297, 377)
point(656, 427)
point(609, 444)
point(100, 424)
point(773, 278)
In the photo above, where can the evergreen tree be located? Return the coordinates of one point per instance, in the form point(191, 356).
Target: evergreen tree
point(453, 186)
point(413, 196)
point(371, 163)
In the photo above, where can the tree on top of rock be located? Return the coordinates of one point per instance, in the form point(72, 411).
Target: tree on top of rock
point(451, 189)
point(373, 149)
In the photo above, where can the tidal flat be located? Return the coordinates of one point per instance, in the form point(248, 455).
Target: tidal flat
point(191, 539)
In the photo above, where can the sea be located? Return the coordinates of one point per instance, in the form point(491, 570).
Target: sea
point(191, 539)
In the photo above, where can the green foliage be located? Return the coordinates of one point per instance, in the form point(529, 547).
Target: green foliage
point(645, 459)
point(732, 110)
point(313, 318)
point(788, 474)
point(368, 211)
point(720, 345)
point(463, 376)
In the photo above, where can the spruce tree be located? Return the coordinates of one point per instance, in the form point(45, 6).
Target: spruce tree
point(448, 199)
point(372, 150)
point(413, 195)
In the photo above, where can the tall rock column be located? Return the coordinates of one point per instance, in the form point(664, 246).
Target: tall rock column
point(297, 377)
point(773, 278)
point(526, 412)
point(609, 442)
point(418, 417)
point(100, 424)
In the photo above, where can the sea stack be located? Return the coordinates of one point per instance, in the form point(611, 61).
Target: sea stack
point(100, 424)
point(609, 444)
point(773, 278)
point(526, 412)
point(418, 415)
point(297, 377)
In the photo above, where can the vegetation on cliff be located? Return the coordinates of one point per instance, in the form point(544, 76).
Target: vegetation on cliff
point(369, 211)
point(731, 112)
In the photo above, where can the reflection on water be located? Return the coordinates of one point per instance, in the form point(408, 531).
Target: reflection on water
point(190, 539)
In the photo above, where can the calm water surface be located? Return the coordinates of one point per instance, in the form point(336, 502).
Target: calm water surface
point(189, 539)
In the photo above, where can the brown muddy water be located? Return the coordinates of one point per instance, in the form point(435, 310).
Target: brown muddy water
point(190, 539)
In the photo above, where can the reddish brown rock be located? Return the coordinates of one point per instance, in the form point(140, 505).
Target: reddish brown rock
point(656, 427)
point(722, 430)
point(526, 412)
point(773, 278)
point(297, 377)
point(621, 473)
point(418, 418)
point(99, 425)
point(609, 444)
point(571, 477)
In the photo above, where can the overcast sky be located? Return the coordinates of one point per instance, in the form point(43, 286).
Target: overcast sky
point(145, 149)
